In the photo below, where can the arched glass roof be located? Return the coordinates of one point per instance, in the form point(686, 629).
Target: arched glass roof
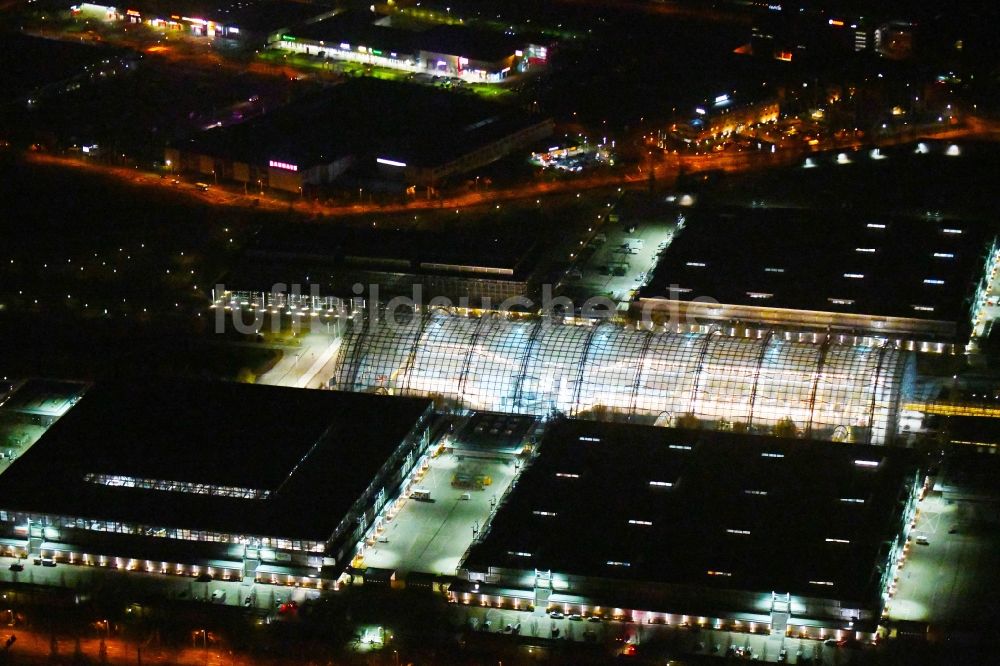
point(536, 366)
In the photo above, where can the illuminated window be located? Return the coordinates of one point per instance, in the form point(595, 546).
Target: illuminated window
point(642, 523)
point(119, 481)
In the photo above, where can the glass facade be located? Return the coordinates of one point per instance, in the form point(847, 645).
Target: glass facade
point(59, 523)
point(120, 481)
point(824, 388)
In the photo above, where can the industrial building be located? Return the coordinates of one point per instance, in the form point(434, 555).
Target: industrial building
point(37, 68)
point(41, 401)
point(906, 278)
point(696, 527)
point(493, 435)
point(245, 21)
point(827, 386)
point(332, 264)
point(247, 483)
point(418, 137)
point(438, 49)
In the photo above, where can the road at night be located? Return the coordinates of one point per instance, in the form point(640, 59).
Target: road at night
point(665, 170)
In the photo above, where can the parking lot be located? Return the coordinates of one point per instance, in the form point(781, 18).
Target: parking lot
point(618, 260)
point(678, 638)
point(16, 437)
point(949, 579)
point(431, 536)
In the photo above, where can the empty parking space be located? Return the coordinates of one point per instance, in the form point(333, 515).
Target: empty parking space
point(431, 536)
point(619, 259)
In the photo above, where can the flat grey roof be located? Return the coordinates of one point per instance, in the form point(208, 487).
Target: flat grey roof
point(313, 452)
point(826, 261)
point(703, 508)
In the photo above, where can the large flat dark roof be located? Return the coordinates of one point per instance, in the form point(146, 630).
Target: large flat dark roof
point(50, 397)
point(315, 452)
point(472, 43)
point(472, 245)
point(757, 510)
point(32, 62)
point(358, 28)
point(335, 257)
point(828, 261)
point(410, 123)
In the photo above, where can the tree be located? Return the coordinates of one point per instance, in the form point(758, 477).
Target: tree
point(689, 421)
point(785, 427)
point(246, 376)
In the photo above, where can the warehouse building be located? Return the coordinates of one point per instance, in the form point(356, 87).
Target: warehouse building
point(247, 483)
point(700, 528)
point(451, 50)
point(495, 435)
point(827, 386)
point(245, 21)
point(41, 401)
point(906, 279)
point(418, 137)
point(329, 265)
